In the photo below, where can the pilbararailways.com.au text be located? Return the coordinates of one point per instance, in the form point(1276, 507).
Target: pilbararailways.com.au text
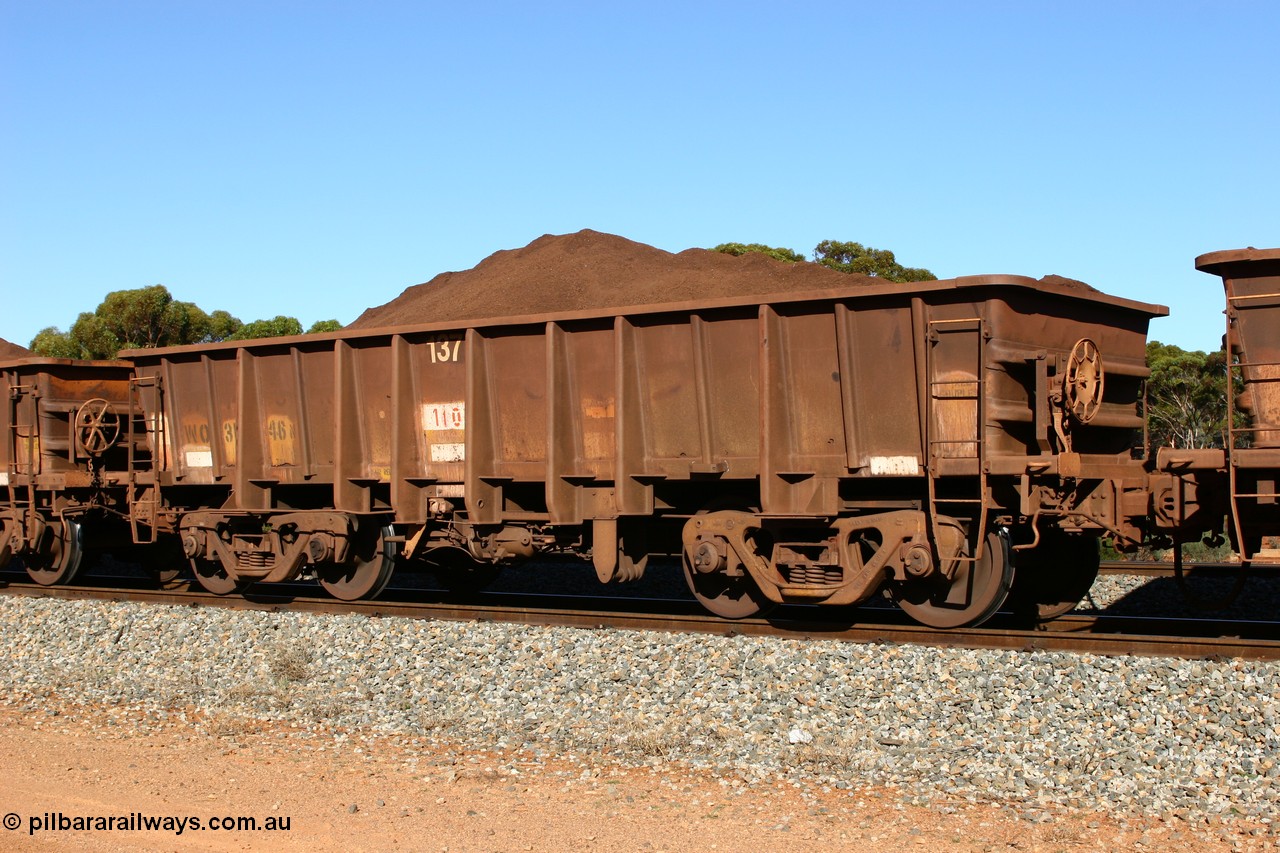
point(139, 822)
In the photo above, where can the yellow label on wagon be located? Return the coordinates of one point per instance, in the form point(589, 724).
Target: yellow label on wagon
point(28, 458)
point(229, 441)
point(281, 441)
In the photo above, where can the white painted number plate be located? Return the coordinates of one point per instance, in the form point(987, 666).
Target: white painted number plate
point(441, 416)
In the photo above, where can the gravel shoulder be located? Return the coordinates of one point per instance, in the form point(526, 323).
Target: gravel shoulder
point(497, 737)
point(344, 793)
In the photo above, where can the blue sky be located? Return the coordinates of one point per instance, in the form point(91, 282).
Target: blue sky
point(314, 159)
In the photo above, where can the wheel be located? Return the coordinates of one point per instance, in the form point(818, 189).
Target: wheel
point(168, 578)
point(58, 554)
point(970, 598)
point(459, 571)
point(1054, 576)
point(722, 594)
point(725, 595)
point(213, 577)
point(163, 560)
point(8, 534)
point(368, 571)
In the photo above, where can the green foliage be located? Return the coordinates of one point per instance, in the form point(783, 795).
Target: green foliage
point(790, 256)
point(1186, 397)
point(150, 317)
point(1211, 548)
point(844, 257)
point(857, 258)
point(222, 326)
point(52, 343)
point(324, 326)
point(273, 328)
point(93, 337)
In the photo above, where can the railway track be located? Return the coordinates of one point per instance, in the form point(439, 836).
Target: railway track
point(1208, 570)
point(1080, 633)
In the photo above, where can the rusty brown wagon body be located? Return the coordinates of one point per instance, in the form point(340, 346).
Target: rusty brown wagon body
point(67, 446)
point(1251, 280)
point(800, 447)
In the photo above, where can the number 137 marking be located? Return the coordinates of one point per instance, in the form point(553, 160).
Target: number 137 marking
point(443, 350)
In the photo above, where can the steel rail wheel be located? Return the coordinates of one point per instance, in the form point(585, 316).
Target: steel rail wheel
point(968, 599)
point(368, 571)
point(168, 578)
point(213, 577)
point(1055, 576)
point(57, 557)
point(723, 595)
point(165, 562)
point(459, 571)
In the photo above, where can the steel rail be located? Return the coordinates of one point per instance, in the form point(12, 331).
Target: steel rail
point(1073, 633)
point(1193, 570)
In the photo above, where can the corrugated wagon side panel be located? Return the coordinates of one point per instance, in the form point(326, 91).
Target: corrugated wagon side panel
point(582, 422)
point(192, 415)
point(727, 351)
point(659, 361)
point(507, 417)
point(294, 400)
point(803, 453)
point(879, 388)
point(363, 424)
point(286, 401)
point(430, 420)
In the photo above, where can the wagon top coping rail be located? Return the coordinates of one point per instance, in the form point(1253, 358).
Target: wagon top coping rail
point(1217, 262)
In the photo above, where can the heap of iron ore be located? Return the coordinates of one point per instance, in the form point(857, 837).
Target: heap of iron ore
point(8, 351)
point(572, 272)
point(586, 270)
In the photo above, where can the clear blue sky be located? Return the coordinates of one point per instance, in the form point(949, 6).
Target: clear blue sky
point(315, 158)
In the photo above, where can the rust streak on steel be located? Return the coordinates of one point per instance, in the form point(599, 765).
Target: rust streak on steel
point(1069, 634)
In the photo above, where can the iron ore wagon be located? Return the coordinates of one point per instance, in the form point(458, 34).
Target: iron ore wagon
point(1251, 279)
point(71, 442)
point(818, 447)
